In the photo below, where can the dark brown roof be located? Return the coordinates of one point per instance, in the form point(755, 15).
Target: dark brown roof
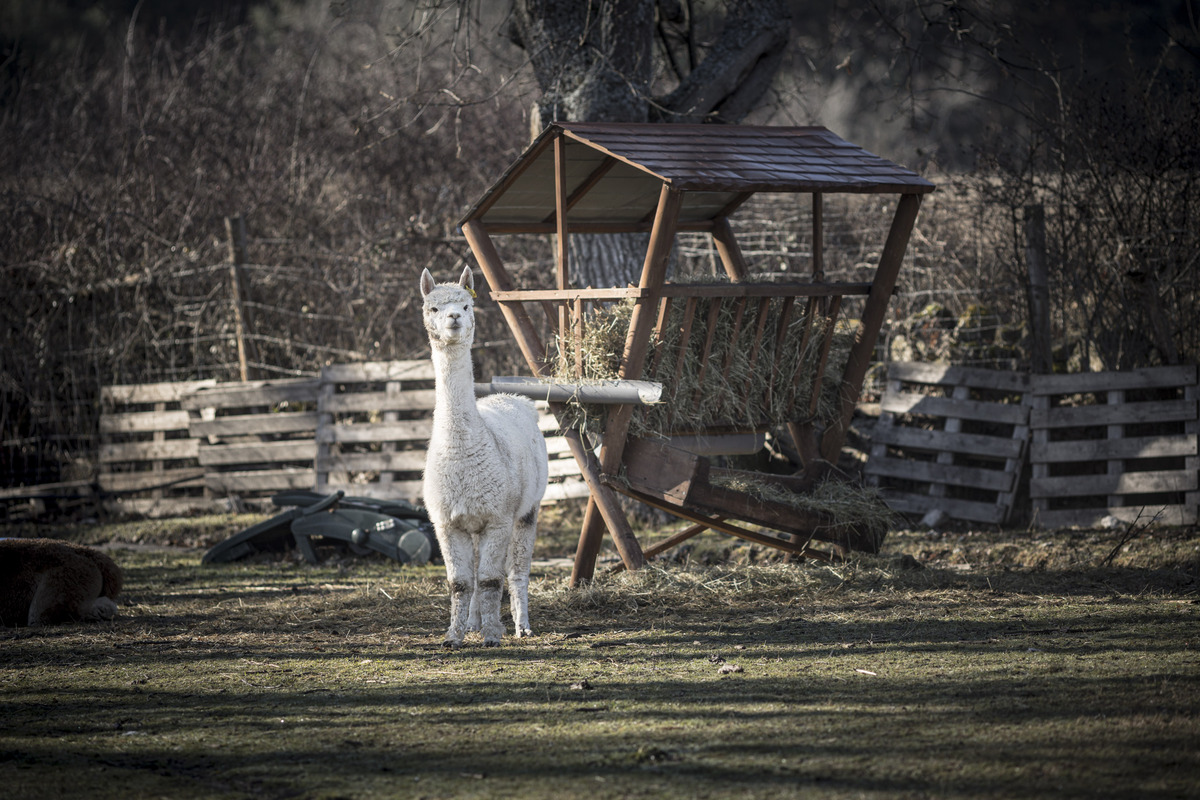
point(715, 165)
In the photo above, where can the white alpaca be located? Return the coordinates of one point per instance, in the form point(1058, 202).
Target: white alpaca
point(484, 477)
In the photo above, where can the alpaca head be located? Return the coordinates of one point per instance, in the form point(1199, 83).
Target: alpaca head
point(449, 310)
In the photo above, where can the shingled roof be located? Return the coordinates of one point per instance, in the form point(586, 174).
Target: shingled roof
point(615, 171)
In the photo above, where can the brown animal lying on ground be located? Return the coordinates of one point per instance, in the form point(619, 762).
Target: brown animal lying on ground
point(43, 582)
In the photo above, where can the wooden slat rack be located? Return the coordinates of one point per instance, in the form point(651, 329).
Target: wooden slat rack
point(580, 178)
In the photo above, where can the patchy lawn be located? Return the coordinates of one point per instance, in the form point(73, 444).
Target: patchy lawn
point(953, 665)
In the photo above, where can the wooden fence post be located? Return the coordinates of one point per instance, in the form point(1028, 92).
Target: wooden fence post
point(1042, 361)
point(243, 324)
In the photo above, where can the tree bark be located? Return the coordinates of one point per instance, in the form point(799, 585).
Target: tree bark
point(594, 62)
point(735, 74)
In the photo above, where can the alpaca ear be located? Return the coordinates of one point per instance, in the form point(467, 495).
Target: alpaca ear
point(467, 281)
point(427, 283)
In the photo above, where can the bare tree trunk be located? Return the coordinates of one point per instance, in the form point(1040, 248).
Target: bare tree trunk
point(594, 62)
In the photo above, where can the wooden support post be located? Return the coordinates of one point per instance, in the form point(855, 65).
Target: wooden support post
point(671, 541)
point(818, 236)
point(874, 312)
point(603, 510)
point(514, 313)
point(654, 269)
point(563, 249)
point(243, 323)
point(654, 272)
point(728, 250)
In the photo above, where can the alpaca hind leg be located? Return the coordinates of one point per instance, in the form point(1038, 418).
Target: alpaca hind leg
point(458, 554)
point(473, 623)
point(520, 559)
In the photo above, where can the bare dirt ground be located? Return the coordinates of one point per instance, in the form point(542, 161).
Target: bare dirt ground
point(954, 664)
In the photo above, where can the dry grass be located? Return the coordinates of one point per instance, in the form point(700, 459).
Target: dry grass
point(953, 665)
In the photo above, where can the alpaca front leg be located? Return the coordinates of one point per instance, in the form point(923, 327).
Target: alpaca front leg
point(458, 554)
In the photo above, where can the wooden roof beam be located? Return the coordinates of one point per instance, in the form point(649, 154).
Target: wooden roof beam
point(580, 191)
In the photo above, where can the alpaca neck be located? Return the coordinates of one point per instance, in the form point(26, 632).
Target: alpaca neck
point(454, 388)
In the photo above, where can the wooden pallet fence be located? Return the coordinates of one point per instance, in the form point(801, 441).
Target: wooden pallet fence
point(374, 421)
point(950, 438)
point(374, 424)
point(1120, 444)
point(255, 438)
point(148, 463)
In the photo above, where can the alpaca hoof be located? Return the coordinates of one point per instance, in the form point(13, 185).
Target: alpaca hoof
point(491, 642)
point(450, 644)
point(523, 633)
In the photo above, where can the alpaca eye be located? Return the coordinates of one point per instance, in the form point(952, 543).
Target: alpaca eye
point(433, 309)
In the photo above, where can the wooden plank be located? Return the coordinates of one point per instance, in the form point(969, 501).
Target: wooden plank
point(379, 371)
point(161, 507)
point(1087, 517)
point(265, 480)
point(251, 424)
point(1153, 481)
point(685, 290)
point(404, 490)
point(997, 480)
point(145, 393)
point(557, 446)
point(1148, 378)
point(350, 402)
point(1123, 414)
point(46, 490)
point(714, 313)
point(947, 375)
point(570, 489)
point(976, 511)
point(254, 393)
point(563, 468)
point(403, 431)
point(720, 523)
point(258, 453)
point(169, 450)
point(658, 469)
point(398, 461)
point(143, 421)
point(934, 441)
point(189, 477)
point(909, 403)
point(1104, 449)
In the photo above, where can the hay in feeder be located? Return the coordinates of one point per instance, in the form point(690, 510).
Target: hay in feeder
point(848, 506)
point(741, 384)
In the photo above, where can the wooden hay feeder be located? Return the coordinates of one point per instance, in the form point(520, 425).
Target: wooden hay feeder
point(586, 178)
